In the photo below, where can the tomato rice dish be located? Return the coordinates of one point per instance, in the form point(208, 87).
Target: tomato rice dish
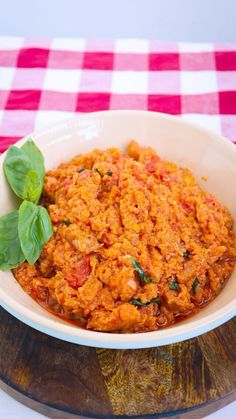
point(137, 246)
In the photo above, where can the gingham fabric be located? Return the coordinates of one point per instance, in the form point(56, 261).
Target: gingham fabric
point(44, 80)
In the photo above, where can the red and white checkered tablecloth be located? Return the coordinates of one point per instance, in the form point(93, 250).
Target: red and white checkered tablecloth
point(44, 80)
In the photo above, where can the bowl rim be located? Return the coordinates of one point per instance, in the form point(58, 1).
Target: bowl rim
point(65, 331)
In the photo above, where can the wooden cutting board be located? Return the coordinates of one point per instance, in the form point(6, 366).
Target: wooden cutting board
point(62, 380)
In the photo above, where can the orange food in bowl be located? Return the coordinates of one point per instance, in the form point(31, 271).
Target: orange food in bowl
point(137, 244)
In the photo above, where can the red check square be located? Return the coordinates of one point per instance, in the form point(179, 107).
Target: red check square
point(98, 60)
point(225, 60)
point(23, 99)
point(227, 103)
point(165, 103)
point(33, 57)
point(90, 102)
point(164, 61)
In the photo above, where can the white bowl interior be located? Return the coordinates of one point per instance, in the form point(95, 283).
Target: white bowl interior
point(203, 152)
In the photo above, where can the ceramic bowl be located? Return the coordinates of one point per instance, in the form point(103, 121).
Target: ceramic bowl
point(205, 153)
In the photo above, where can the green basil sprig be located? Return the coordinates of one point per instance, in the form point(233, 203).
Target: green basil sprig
point(142, 276)
point(23, 233)
point(138, 302)
point(186, 254)
point(34, 229)
point(11, 254)
point(173, 284)
point(195, 285)
point(24, 170)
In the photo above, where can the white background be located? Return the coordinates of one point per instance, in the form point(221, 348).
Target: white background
point(181, 20)
point(170, 20)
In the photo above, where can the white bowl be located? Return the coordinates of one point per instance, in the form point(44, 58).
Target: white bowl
point(188, 145)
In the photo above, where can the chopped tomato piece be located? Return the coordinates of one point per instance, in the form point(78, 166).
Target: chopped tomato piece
point(79, 275)
point(151, 165)
point(67, 182)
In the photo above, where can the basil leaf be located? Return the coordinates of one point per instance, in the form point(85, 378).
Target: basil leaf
point(195, 285)
point(34, 229)
point(35, 156)
point(144, 278)
point(24, 169)
point(16, 167)
point(173, 284)
point(11, 254)
point(156, 300)
point(138, 302)
point(80, 319)
point(186, 254)
point(66, 222)
point(32, 186)
point(46, 230)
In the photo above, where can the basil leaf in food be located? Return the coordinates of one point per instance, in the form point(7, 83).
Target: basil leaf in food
point(138, 302)
point(173, 284)
point(24, 169)
point(186, 254)
point(156, 300)
point(66, 222)
point(195, 285)
point(34, 229)
point(11, 254)
point(143, 277)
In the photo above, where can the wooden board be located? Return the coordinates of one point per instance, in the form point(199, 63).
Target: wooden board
point(61, 380)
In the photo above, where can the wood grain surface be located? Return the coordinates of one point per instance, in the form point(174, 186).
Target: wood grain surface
point(61, 380)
